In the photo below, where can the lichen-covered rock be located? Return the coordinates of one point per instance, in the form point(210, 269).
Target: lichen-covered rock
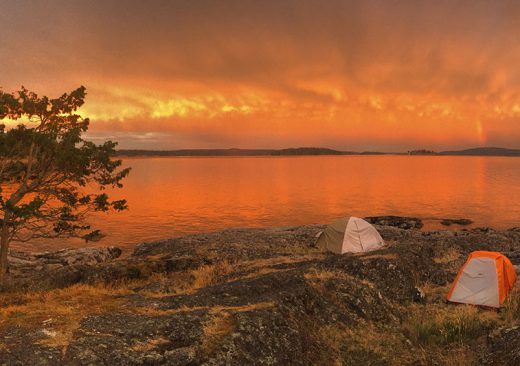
point(136, 339)
point(449, 222)
point(247, 297)
point(396, 221)
point(504, 348)
point(23, 262)
point(53, 269)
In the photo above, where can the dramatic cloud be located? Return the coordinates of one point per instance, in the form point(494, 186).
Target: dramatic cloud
point(386, 75)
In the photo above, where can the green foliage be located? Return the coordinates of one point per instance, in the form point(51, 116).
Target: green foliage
point(50, 176)
point(453, 325)
point(511, 309)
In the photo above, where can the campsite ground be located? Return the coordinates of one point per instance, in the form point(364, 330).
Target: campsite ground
point(258, 296)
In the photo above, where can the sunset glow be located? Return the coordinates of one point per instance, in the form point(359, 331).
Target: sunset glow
point(373, 75)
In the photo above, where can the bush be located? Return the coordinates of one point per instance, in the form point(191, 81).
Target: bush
point(510, 311)
point(448, 325)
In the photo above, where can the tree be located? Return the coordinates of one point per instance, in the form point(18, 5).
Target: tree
point(50, 176)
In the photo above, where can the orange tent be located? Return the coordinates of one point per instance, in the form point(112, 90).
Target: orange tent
point(485, 279)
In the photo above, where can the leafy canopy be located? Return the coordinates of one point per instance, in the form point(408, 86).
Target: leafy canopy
point(50, 176)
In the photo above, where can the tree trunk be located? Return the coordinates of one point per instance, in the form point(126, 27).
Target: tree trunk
point(4, 246)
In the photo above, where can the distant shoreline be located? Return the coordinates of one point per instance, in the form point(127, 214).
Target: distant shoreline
point(311, 151)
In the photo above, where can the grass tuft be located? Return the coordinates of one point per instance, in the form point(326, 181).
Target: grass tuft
point(215, 331)
point(448, 256)
point(210, 274)
point(510, 310)
point(456, 324)
point(58, 313)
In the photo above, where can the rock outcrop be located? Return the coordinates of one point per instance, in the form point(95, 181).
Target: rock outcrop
point(254, 296)
point(35, 270)
point(396, 221)
point(504, 348)
point(462, 222)
point(22, 262)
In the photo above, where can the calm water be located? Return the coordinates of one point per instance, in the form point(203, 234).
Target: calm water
point(173, 196)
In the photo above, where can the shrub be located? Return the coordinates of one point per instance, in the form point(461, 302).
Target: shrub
point(510, 311)
point(210, 274)
point(448, 325)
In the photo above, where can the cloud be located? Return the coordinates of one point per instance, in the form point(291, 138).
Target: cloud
point(342, 73)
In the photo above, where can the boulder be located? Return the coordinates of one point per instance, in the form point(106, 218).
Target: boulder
point(396, 221)
point(449, 222)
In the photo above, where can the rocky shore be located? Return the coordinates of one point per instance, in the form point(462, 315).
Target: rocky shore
point(258, 296)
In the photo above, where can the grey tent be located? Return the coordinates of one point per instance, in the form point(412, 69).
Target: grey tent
point(350, 235)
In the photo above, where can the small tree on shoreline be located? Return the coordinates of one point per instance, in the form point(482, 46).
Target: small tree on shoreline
point(48, 172)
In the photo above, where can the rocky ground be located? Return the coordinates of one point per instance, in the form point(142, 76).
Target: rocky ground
point(258, 296)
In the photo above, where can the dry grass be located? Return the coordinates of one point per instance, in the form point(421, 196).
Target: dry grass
point(448, 256)
point(243, 308)
point(380, 343)
point(151, 311)
point(460, 355)
point(317, 280)
point(428, 331)
point(189, 282)
point(334, 339)
point(262, 272)
point(301, 250)
point(321, 275)
point(186, 282)
point(510, 311)
point(315, 277)
point(210, 309)
point(150, 344)
point(58, 313)
point(365, 344)
point(434, 293)
point(444, 325)
point(286, 259)
point(260, 267)
point(223, 323)
point(390, 256)
point(209, 275)
point(215, 331)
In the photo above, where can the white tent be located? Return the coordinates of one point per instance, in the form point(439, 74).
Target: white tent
point(350, 235)
point(485, 279)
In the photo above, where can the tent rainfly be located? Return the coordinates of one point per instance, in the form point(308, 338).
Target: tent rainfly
point(350, 234)
point(485, 279)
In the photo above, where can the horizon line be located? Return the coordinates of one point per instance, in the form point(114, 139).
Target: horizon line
point(314, 151)
point(316, 147)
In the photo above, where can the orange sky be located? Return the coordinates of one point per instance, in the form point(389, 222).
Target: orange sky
point(354, 75)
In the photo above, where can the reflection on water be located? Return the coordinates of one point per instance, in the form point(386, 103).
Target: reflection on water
point(173, 196)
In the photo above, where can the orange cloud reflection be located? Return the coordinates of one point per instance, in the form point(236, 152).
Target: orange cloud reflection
point(349, 75)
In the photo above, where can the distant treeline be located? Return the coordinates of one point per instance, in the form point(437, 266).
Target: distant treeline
point(422, 152)
point(236, 152)
point(484, 151)
point(478, 151)
point(302, 151)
